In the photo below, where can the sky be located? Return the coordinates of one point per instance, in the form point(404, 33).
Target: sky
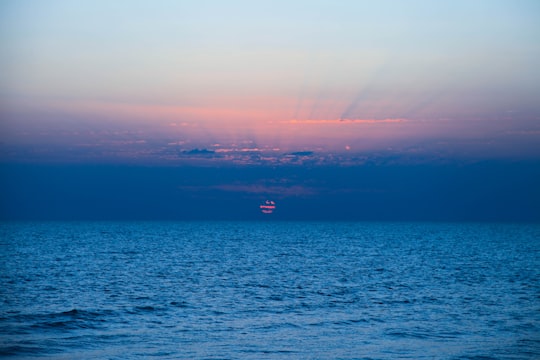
point(297, 83)
point(340, 76)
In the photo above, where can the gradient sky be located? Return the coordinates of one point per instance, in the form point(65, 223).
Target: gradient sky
point(154, 79)
point(352, 110)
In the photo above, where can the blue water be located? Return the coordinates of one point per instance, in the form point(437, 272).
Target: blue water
point(217, 290)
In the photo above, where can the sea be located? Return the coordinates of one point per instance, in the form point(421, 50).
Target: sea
point(269, 290)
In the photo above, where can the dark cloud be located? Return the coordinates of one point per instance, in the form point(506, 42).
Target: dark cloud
point(204, 152)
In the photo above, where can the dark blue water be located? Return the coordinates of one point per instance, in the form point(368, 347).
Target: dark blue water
point(216, 290)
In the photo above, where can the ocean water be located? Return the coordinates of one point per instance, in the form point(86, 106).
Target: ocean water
point(269, 290)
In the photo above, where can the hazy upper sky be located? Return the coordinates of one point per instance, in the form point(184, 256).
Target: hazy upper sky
point(155, 79)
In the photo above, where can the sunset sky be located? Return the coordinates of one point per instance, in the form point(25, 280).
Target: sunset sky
point(351, 76)
point(334, 83)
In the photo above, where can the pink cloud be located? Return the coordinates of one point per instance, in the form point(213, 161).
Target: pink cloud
point(345, 121)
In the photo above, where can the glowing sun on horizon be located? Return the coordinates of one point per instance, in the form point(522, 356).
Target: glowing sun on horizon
point(268, 207)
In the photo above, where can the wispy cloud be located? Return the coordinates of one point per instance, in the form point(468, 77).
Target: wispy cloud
point(344, 121)
point(279, 191)
point(294, 190)
point(524, 132)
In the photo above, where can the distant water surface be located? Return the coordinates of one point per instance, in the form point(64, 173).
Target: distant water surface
point(270, 290)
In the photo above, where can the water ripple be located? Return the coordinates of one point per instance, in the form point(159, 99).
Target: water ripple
point(270, 290)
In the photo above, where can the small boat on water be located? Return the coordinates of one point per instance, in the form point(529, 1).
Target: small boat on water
point(268, 207)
